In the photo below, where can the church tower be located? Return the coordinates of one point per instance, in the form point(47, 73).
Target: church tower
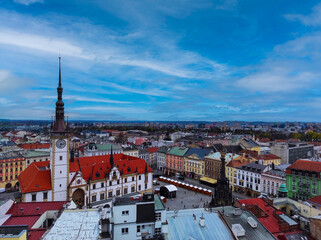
point(59, 149)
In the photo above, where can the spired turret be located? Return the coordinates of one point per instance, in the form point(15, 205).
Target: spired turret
point(222, 194)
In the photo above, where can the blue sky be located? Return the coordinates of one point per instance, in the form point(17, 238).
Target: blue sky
point(162, 59)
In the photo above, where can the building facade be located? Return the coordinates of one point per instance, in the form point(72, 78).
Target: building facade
point(303, 179)
point(94, 149)
point(290, 152)
point(249, 179)
point(213, 164)
point(175, 160)
point(36, 156)
point(271, 181)
point(11, 165)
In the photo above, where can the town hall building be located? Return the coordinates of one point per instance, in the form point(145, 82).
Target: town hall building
point(82, 179)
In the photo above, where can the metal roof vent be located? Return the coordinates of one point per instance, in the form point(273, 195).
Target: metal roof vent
point(202, 221)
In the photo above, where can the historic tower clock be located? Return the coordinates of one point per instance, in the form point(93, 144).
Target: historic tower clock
point(59, 151)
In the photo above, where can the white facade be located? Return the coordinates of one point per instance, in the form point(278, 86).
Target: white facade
point(161, 160)
point(250, 179)
point(59, 166)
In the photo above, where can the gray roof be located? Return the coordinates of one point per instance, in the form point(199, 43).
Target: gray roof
point(253, 167)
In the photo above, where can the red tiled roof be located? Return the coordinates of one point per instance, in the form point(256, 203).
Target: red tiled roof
point(280, 140)
point(36, 234)
point(236, 163)
point(152, 149)
point(266, 157)
point(315, 143)
point(29, 220)
point(30, 208)
point(29, 213)
point(305, 165)
point(97, 167)
point(35, 178)
point(316, 200)
point(270, 222)
point(34, 145)
point(140, 141)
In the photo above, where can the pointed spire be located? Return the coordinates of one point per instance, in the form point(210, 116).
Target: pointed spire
point(59, 124)
point(111, 159)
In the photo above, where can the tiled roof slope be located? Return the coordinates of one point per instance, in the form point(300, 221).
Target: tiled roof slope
point(305, 165)
point(178, 151)
point(98, 167)
point(35, 178)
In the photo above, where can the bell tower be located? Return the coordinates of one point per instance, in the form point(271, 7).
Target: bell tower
point(59, 149)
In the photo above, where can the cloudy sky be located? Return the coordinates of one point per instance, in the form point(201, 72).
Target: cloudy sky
point(162, 59)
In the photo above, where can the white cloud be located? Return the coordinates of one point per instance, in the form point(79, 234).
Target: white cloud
point(313, 19)
point(28, 2)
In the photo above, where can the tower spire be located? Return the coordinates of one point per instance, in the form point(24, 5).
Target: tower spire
point(59, 125)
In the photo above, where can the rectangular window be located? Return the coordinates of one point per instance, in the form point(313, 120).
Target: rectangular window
point(158, 216)
point(34, 197)
point(117, 181)
point(145, 185)
point(117, 192)
point(125, 212)
point(93, 198)
point(124, 231)
point(293, 187)
point(45, 195)
point(60, 158)
point(314, 191)
point(110, 194)
point(138, 228)
point(110, 183)
point(133, 189)
point(125, 180)
point(102, 196)
point(133, 178)
point(139, 187)
point(294, 179)
point(158, 231)
point(94, 186)
point(125, 190)
point(139, 177)
point(102, 184)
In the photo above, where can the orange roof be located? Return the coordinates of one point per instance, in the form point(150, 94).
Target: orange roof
point(34, 145)
point(98, 167)
point(236, 163)
point(267, 157)
point(305, 165)
point(35, 178)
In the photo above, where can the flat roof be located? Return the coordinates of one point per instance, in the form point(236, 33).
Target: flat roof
point(181, 225)
point(76, 224)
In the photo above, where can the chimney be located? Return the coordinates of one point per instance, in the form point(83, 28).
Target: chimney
point(202, 221)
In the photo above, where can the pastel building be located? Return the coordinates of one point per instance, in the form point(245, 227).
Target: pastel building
point(175, 160)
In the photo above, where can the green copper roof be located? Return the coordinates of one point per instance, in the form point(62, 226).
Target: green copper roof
point(32, 153)
point(178, 151)
point(102, 147)
point(283, 188)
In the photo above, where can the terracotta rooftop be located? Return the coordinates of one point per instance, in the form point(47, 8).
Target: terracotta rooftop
point(266, 157)
point(152, 149)
point(305, 165)
point(36, 177)
point(34, 145)
point(98, 167)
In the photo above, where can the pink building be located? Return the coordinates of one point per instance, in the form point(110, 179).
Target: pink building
point(271, 181)
point(175, 160)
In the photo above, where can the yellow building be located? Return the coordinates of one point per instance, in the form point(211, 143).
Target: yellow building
point(11, 165)
point(230, 171)
point(268, 159)
point(194, 166)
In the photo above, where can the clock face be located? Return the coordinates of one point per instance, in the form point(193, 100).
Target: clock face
point(60, 143)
